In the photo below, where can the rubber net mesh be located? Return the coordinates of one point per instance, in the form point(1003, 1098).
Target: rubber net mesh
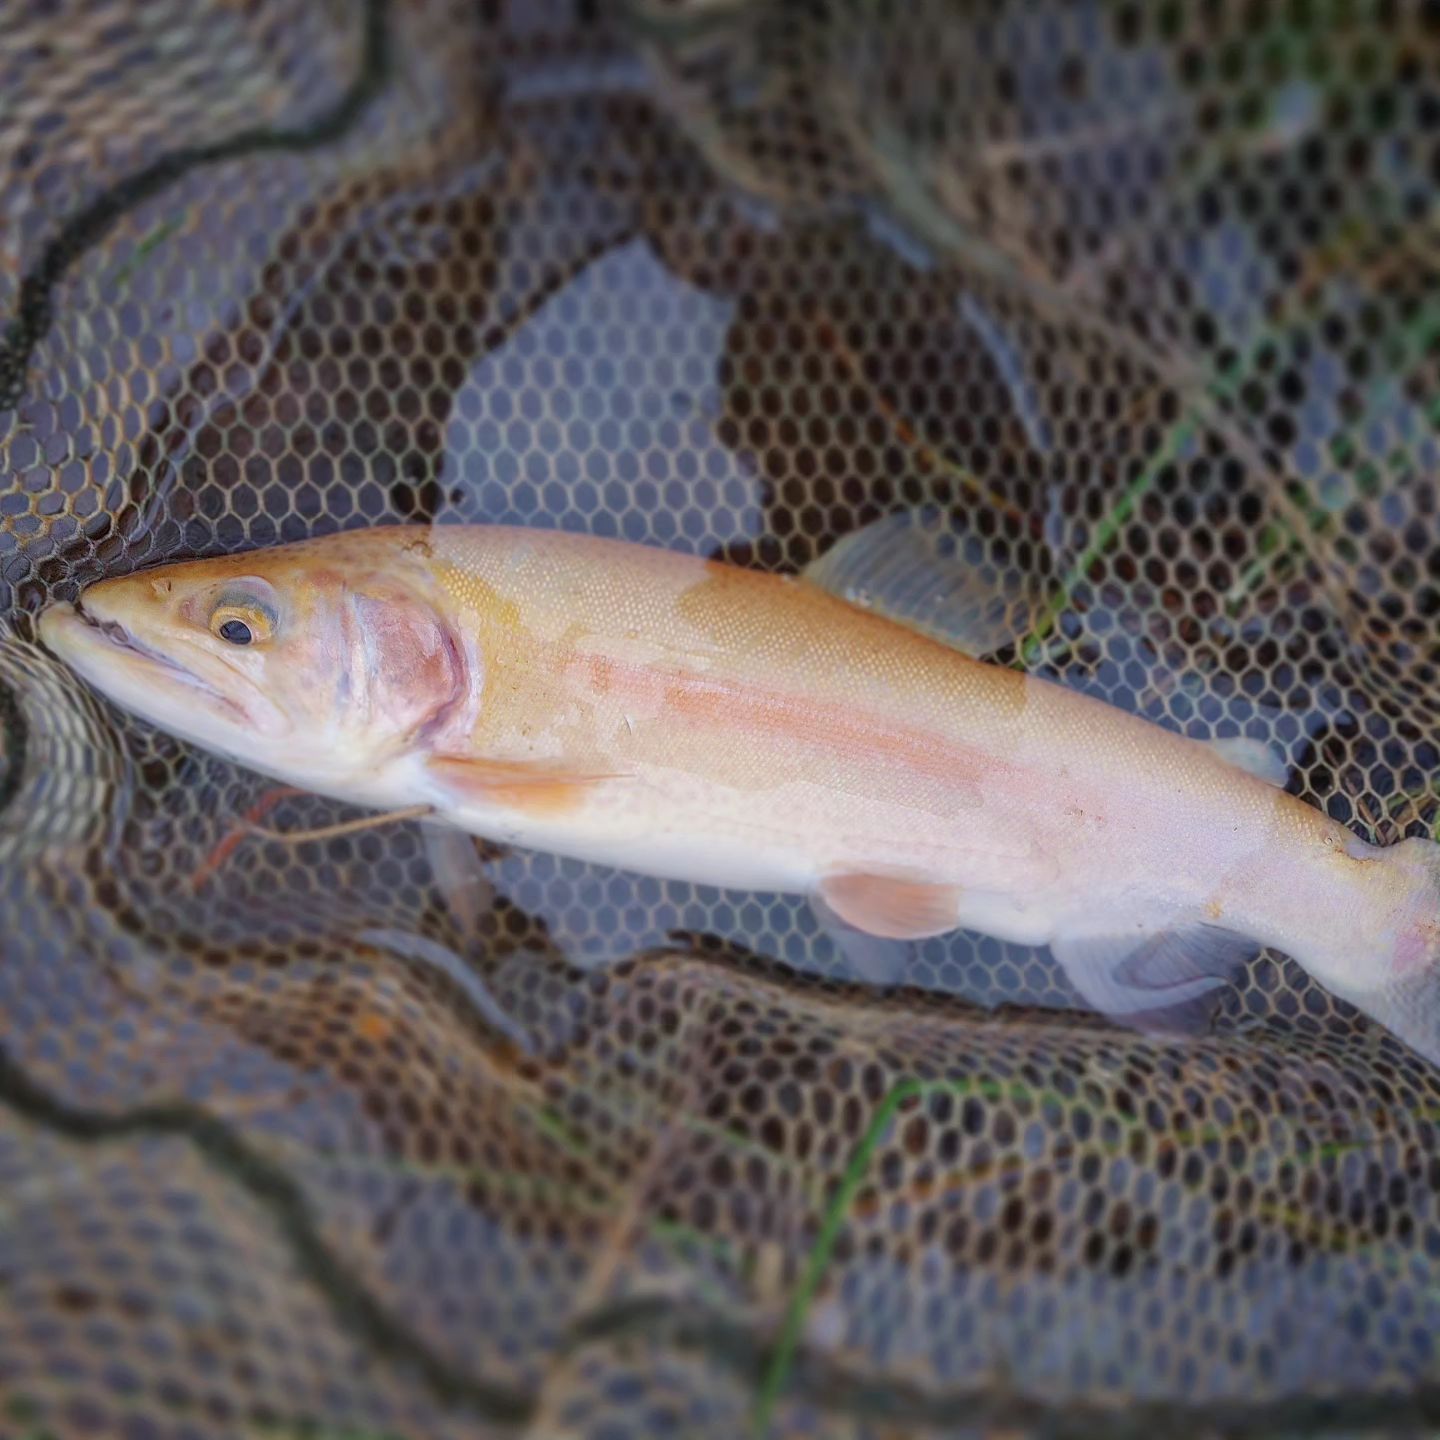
point(306, 1140)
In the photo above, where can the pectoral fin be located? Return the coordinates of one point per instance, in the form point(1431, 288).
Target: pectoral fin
point(894, 909)
point(458, 875)
point(528, 786)
point(1167, 977)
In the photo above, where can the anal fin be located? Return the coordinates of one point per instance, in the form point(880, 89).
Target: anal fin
point(1166, 978)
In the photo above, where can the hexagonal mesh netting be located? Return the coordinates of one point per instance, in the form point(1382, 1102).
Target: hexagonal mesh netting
point(313, 1140)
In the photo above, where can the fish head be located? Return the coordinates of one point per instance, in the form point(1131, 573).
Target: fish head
point(299, 662)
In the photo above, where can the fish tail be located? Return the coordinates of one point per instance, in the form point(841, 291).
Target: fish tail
point(1399, 984)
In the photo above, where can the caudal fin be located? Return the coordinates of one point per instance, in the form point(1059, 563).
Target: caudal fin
point(1398, 983)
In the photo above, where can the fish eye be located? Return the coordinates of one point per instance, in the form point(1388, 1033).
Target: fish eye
point(242, 622)
point(237, 632)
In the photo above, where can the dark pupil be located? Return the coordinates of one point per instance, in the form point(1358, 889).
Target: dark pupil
point(236, 632)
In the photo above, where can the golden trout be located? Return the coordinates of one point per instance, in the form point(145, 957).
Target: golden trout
point(697, 721)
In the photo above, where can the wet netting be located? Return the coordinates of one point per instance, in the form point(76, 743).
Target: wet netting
point(317, 1140)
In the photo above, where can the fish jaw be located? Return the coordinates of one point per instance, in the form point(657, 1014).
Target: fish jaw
point(192, 697)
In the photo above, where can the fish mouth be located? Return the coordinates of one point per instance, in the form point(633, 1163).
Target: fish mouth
point(116, 638)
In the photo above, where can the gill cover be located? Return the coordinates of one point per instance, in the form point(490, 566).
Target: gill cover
point(406, 668)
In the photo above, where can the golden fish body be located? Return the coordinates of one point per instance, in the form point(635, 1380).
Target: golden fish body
point(688, 719)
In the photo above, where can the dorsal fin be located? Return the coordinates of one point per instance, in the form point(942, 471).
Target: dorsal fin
point(927, 570)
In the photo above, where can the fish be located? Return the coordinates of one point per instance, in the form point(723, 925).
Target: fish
point(825, 735)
